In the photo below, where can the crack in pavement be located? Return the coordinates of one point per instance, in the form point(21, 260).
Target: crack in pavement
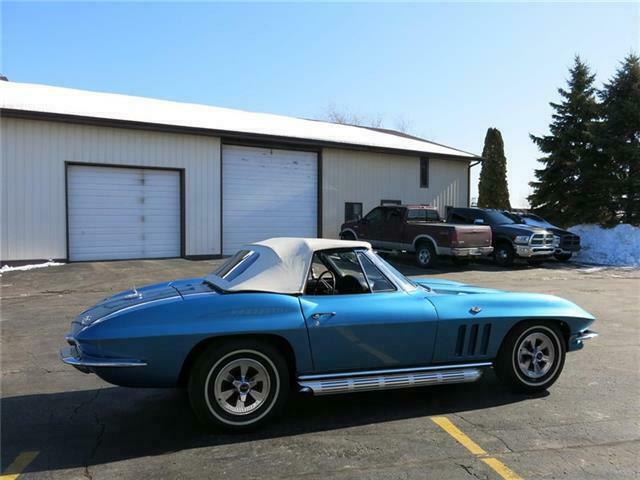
point(102, 427)
point(483, 429)
point(84, 404)
point(470, 471)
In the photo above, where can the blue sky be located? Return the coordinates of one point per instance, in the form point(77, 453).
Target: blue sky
point(449, 71)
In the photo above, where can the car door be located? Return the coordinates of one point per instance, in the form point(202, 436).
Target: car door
point(391, 228)
point(370, 226)
point(385, 327)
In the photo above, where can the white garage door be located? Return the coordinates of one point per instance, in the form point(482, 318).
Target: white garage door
point(119, 213)
point(267, 193)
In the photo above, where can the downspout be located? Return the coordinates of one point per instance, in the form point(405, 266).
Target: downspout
point(469, 180)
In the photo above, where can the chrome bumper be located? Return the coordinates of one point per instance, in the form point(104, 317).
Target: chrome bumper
point(527, 251)
point(576, 341)
point(471, 251)
point(72, 355)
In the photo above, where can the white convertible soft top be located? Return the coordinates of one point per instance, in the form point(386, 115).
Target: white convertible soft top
point(281, 266)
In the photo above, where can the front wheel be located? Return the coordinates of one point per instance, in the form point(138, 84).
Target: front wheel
point(563, 257)
point(531, 357)
point(503, 255)
point(238, 385)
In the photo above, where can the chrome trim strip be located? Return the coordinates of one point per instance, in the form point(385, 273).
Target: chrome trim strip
point(67, 356)
point(363, 373)
point(388, 382)
point(586, 335)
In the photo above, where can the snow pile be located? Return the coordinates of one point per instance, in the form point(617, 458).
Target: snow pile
point(619, 246)
point(22, 268)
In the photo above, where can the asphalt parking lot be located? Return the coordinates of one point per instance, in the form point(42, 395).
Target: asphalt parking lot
point(587, 426)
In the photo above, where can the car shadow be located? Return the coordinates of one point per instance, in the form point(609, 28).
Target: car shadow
point(78, 429)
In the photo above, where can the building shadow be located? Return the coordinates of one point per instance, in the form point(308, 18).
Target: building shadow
point(76, 429)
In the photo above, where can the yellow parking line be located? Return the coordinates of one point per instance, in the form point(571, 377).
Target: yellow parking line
point(14, 470)
point(500, 468)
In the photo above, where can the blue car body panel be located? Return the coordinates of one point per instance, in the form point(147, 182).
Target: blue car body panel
point(163, 331)
point(379, 330)
point(448, 322)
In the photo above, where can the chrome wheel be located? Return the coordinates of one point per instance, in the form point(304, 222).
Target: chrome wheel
point(241, 386)
point(424, 256)
point(502, 254)
point(536, 355)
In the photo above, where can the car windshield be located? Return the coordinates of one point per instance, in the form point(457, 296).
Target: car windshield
point(391, 272)
point(497, 218)
point(236, 264)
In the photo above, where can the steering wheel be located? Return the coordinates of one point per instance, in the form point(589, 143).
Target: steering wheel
point(329, 284)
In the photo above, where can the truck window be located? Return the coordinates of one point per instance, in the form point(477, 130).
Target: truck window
point(423, 215)
point(432, 216)
point(375, 215)
point(393, 215)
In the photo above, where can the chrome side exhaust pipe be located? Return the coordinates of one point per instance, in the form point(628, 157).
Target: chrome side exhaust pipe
point(327, 385)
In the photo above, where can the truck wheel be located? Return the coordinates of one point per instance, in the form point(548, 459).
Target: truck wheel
point(563, 257)
point(503, 255)
point(531, 356)
point(425, 255)
point(238, 385)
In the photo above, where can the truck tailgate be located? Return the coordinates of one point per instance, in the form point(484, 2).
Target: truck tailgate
point(473, 235)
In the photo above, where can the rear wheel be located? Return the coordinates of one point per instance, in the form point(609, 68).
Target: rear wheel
point(238, 385)
point(503, 255)
point(347, 236)
point(425, 255)
point(531, 357)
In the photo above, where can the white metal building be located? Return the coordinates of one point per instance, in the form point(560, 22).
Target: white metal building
point(97, 176)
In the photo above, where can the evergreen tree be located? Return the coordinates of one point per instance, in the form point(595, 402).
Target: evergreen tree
point(492, 189)
point(558, 192)
point(618, 141)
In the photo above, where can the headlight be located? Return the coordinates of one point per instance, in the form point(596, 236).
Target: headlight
point(521, 239)
point(556, 241)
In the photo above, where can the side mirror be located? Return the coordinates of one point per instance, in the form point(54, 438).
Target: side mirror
point(358, 217)
point(478, 221)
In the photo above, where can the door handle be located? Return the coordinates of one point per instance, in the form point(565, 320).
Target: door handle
point(318, 316)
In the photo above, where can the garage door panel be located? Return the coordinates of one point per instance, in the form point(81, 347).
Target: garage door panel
point(267, 193)
point(119, 213)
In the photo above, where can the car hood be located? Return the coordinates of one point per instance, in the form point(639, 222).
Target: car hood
point(139, 296)
point(452, 288)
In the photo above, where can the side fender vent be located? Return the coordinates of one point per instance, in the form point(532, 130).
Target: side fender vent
point(473, 340)
point(486, 333)
point(462, 331)
point(475, 343)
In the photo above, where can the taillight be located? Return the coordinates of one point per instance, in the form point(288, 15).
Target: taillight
point(454, 237)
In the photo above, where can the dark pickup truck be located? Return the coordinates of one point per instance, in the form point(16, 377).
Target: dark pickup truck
point(511, 239)
point(566, 243)
point(418, 229)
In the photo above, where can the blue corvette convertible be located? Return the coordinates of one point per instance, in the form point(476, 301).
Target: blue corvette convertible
point(321, 316)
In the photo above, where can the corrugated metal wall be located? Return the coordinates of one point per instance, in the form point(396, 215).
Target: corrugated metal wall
point(32, 177)
point(353, 176)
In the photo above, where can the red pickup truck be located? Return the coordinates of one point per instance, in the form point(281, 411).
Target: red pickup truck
point(418, 229)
